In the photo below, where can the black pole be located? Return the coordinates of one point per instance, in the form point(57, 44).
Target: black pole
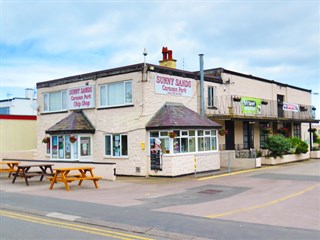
point(310, 135)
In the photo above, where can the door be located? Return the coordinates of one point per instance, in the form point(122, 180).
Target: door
point(248, 135)
point(230, 136)
point(280, 99)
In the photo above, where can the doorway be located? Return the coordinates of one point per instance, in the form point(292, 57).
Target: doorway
point(230, 136)
point(280, 99)
point(248, 135)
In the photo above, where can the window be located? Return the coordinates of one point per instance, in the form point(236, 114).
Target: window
point(85, 146)
point(65, 147)
point(116, 94)
point(297, 130)
point(248, 135)
point(4, 110)
point(116, 145)
point(54, 101)
point(185, 141)
point(263, 126)
point(211, 96)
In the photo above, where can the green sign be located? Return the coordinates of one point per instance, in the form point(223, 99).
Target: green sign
point(251, 105)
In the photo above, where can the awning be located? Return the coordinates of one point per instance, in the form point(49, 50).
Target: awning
point(76, 122)
point(177, 116)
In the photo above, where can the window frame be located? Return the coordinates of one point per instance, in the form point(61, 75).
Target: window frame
point(75, 147)
point(63, 101)
point(111, 136)
point(194, 138)
point(211, 96)
point(104, 102)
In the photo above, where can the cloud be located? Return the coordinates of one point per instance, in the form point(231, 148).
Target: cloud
point(44, 40)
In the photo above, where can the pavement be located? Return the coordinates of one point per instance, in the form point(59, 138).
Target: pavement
point(260, 203)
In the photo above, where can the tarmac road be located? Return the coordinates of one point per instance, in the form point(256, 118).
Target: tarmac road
point(280, 202)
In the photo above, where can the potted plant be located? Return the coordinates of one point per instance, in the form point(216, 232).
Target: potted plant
point(313, 130)
point(283, 131)
point(236, 99)
point(73, 139)
point(266, 130)
point(46, 139)
point(172, 134)
point(222, 132)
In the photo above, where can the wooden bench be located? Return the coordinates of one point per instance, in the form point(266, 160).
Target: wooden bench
point(23, 171)
point(11, 167)
point(62, 175)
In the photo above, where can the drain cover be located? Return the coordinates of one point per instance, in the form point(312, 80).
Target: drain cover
point(210, 191)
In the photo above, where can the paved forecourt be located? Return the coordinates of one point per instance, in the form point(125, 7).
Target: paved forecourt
point(259, 203)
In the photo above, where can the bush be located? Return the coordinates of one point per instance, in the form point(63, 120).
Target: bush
point(278, 145)
point(299, 145)
point(315, 137)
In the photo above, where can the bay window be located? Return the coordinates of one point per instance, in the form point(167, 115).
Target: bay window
point(67, 147)
point(185, 141)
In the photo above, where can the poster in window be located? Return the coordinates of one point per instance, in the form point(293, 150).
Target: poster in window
point(85, 146)
point(155, 155)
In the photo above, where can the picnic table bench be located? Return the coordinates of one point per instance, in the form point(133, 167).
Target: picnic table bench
point(42, 170)
point(67, 175)
point(11, 167)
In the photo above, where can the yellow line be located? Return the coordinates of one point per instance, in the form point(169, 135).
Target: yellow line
point(72, 226)
point(263, 205)
point(235, 173)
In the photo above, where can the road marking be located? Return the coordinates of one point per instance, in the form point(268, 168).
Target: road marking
point(264, 204)
point(72, 226)
point(235, 173)
point(63, 216)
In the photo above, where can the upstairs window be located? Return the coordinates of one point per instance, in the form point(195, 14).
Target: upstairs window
point(116, 94)
point(54, 101)
point(211, 97)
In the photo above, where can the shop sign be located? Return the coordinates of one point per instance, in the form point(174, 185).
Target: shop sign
point(81, 97)
point(290, 107)
point(171, 85)
point(251, 105)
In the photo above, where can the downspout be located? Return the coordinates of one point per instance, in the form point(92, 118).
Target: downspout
point(202, 113)
point(310, 136)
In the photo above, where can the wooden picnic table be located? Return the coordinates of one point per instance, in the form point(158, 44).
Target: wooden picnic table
point(23, 171)
point(11, 167)
point(67, 175)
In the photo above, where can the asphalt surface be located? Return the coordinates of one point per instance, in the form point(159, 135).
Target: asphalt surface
point(281, 202)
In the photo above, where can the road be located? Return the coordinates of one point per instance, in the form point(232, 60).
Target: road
point(281, 202)
point(33, 227)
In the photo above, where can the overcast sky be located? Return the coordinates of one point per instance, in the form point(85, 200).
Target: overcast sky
point(43, 40)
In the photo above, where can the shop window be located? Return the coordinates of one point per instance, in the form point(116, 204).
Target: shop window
point(54, 101)
point(85, 146)
point(211, 96)
point(185, 141)
point(116, 145)
point(116, 94)
point(66, 146)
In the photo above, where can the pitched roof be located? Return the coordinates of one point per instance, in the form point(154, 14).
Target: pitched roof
point(176, 115)
point(76, 122)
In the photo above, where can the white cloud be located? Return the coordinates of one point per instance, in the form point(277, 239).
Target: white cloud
point(44, 40)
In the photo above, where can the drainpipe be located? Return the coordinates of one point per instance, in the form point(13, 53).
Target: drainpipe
point(201, 86)
point(310, 136)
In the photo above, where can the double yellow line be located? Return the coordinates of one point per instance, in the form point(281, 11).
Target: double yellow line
point(72, 226)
